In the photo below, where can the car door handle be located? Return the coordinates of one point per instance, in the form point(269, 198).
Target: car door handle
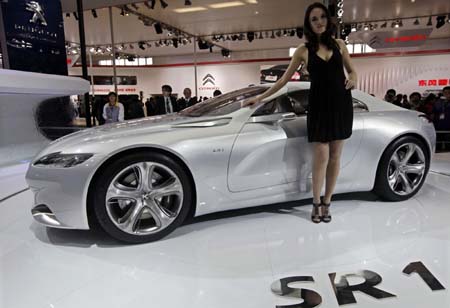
point(287, 116)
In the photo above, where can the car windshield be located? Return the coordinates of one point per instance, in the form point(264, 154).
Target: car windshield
point(222, 104)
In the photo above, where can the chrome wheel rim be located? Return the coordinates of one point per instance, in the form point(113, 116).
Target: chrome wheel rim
point(406, 169)
point(144, 198)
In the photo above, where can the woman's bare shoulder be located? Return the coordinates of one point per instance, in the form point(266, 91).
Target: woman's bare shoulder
point(301, 51)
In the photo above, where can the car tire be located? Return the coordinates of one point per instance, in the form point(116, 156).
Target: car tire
point(394, 179)
point(107, 210)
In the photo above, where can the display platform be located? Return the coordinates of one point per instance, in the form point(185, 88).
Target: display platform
point(242, 258)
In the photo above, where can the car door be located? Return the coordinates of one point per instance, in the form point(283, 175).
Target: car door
point(273, 149)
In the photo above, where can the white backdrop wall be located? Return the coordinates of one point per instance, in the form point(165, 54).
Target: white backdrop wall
point(375, 75)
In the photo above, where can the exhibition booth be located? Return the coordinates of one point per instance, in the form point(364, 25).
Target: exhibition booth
point(114, 196)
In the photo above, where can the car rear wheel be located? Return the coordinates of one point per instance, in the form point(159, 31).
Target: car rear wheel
point(402, 170)
point(142, 197)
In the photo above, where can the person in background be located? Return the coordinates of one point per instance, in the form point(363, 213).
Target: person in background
point(150, 106)
point(187, 100)
point(415, 100)
point(390, 95)
point(398, 100)
point(135, 110)
point(166, 103)
point(428, 106)
point(217, 93)
point(441, 116)
point(405, 103)
point(113, 111)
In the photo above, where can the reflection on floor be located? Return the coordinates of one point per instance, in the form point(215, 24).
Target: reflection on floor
point(232, 259)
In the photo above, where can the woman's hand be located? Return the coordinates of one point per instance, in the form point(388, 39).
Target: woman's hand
point(252, 102)
point(349, 84)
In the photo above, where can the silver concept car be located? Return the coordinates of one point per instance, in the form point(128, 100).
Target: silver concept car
point(140, 179)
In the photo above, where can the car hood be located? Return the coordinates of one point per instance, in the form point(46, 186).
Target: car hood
point(120, 131)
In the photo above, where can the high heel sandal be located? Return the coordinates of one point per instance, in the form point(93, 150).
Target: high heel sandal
point(315, 214)
point(326, 216)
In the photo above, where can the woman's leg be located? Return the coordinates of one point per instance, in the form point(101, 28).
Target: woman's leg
point(320, 161)
point(333, 168)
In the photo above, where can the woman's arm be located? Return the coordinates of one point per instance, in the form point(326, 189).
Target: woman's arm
point(350, 82)
point(298, 57)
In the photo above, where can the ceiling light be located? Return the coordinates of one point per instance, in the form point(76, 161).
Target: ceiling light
point(429, 23)
point(383, 25)
point(226, 53)
point(353, 28)
point(94, 13)
point(190, 9)
point(252, 1)
point(175, 42)
point(163, 4)
point(222, 5)
point(400, 23)
point(440, 21)
point(273, 34)
point(416, 22)
point(250, 36)
point(141, 45)
point(158, 28)
point(150, 4)
point(366, 27)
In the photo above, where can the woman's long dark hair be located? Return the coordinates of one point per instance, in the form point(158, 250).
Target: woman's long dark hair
point(326, 38)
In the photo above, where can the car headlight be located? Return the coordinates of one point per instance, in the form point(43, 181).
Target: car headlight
point(60, 160)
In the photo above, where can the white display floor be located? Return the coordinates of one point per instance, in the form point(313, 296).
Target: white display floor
point(231, 259)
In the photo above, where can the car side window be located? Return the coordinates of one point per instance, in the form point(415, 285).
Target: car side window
point(281, 104)
point(299, 101)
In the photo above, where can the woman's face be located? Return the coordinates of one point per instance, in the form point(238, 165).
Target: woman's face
point(318, 20)
point(112, 99)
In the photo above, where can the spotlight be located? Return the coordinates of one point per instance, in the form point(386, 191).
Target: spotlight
point(134, 6)
point(158, 28)
point(400, 23)
point(187, 2)
point(383, 25)
point(225, 53)
point(163, 4)
point(148, 44)
point(429, 23)
point(416, 22)
point(202, 44)
point(175, 42)
point(347, 30)
point(299, 32)
point(141, 45)
point(366, 27)
point(273, 35)
point(131, 58)
point(353, 28)
point(150, 4)
point(122, 12)
point(250, 36)
point(94, 13)
point(292, 33)
point(440, 21)
point(67, 14)
point(75, 14)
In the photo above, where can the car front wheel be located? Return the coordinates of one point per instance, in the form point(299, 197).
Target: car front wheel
point(142, 197)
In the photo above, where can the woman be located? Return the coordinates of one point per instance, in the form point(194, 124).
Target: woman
point(330, 110)
point(113, 111)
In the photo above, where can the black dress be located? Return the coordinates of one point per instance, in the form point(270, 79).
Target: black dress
point(330, 108)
